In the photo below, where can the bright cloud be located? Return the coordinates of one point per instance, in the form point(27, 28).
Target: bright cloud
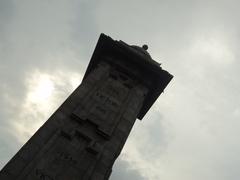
point(40, 88)
point(42, 98)
point(212, 49)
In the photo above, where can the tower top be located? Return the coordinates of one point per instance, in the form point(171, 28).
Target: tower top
point(145, 47)
point(151, 75)
point(142, 50)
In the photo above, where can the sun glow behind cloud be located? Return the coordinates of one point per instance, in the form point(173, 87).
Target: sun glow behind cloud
point(45, 91)
point(41, 89)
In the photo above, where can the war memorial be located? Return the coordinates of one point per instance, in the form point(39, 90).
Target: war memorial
point(86, 134)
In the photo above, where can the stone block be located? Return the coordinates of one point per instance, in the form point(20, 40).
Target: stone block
point(29, 151)
point(5, 175)
point(94, 148)
point(15, 166)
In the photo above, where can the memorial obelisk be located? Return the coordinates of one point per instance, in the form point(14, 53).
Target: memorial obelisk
point(86, 134)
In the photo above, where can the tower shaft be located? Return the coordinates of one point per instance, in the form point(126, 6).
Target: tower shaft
point(83, 138)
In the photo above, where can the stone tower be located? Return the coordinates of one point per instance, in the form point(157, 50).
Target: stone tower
point(86, 134)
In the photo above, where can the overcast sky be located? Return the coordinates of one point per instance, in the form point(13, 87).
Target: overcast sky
point(191, 132)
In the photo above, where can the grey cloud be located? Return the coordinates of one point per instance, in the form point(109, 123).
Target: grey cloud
point(33, 35)
point(151, 136)
point(85, 28)
point(8, 141)
point(6, 12)
point(37, 35)
point(125, 170)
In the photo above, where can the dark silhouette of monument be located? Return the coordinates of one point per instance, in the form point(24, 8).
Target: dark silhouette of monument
point(86, 134)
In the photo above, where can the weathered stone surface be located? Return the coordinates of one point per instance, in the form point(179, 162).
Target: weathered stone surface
point(83, 138)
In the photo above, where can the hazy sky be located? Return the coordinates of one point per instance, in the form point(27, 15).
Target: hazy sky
point(190, 133)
